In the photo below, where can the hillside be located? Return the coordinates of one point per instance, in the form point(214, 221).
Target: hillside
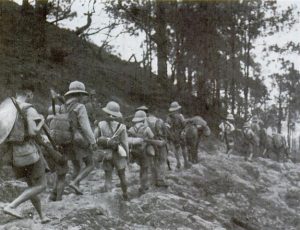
point(111, 77)
point(218, 193)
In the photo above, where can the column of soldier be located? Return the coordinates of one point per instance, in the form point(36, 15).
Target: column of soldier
point(67, 136)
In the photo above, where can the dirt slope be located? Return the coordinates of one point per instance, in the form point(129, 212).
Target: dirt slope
point(218, 193)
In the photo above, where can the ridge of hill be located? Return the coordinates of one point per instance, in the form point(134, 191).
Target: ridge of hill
point(65, 58)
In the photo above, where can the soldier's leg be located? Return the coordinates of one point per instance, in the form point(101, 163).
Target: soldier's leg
point(144, 168)
point(35, 200)
point(108, 180)
point(37, 171)
point(60, 181)
point(121, 174)
point(155, 168)
point(160, 162)
point(60, 186)
point(177, 156)
point(187, 164)
point(76, 168)
point(250, 152)
point(53, 194)
point(84, 173)
point(108, 169)
point(194, 151)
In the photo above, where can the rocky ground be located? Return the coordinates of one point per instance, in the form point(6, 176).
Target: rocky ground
point(218, 193)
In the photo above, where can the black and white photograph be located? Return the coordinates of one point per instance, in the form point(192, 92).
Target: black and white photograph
point(149, 114)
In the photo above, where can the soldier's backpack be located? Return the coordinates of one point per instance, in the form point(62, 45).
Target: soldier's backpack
point(278, 141)
point(251, 137)
point(200, 123)
point(62, 126)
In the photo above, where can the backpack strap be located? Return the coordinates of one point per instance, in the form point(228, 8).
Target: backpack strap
point(22, 113)
point(72, 116)
point(111, 129)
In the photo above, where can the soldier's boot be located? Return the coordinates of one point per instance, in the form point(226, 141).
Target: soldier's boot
point(123, 183)
point(250, 157)
point(53, 195)
point(229, 152)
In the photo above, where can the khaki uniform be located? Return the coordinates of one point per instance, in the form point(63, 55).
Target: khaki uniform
point(27, 158)
point(28, 161)
point(161, 153)
point(139, 153)
point(112, 158)
point(83, 134)
point(78, 151)
point(250, 143)
point(227, 129)
point(177, 124)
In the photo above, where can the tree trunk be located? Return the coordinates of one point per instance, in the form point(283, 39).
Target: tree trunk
point(25, 7)
point(232, 91)
point(40, 30)
point(280, 115)
point(161, 41)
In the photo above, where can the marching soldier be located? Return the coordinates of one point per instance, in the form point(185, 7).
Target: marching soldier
point(177, 123)
point(27, 158)
point(111, 134)
point(250, 141)
point(226, 133)
point(140, 152)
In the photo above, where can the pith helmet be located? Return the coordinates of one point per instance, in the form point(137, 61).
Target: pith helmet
point(76, 87)
point(230, 117)
point(113, 108)
point(139, 116)
point(246, 125)
point(93, 92)
point(174, 106)
point(143, 108)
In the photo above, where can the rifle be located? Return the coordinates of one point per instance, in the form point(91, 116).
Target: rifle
point(158, 143)
point(53, 95)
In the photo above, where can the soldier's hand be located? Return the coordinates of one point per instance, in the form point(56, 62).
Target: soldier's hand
point(112, 143)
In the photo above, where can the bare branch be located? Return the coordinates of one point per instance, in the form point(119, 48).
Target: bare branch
point(80, 30)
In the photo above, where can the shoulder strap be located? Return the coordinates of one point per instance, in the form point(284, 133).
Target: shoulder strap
point(21, 112)
point(111, 129)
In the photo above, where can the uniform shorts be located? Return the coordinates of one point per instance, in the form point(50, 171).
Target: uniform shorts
point(32, 171)
point(117, 162)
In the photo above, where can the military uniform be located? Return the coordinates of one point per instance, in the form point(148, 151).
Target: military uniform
point(139, 153)
point(28, 161)
point(176, 122)
point(250, 142)
point(111, 135)
point(158, 128)
point(80, 150)
point(227, 129)
point(161, 154)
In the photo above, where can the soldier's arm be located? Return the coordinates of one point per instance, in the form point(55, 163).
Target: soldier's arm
point(85, 126)
point(97, 132)
point(124, 139)
point(148, 133)
point(35, 121)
